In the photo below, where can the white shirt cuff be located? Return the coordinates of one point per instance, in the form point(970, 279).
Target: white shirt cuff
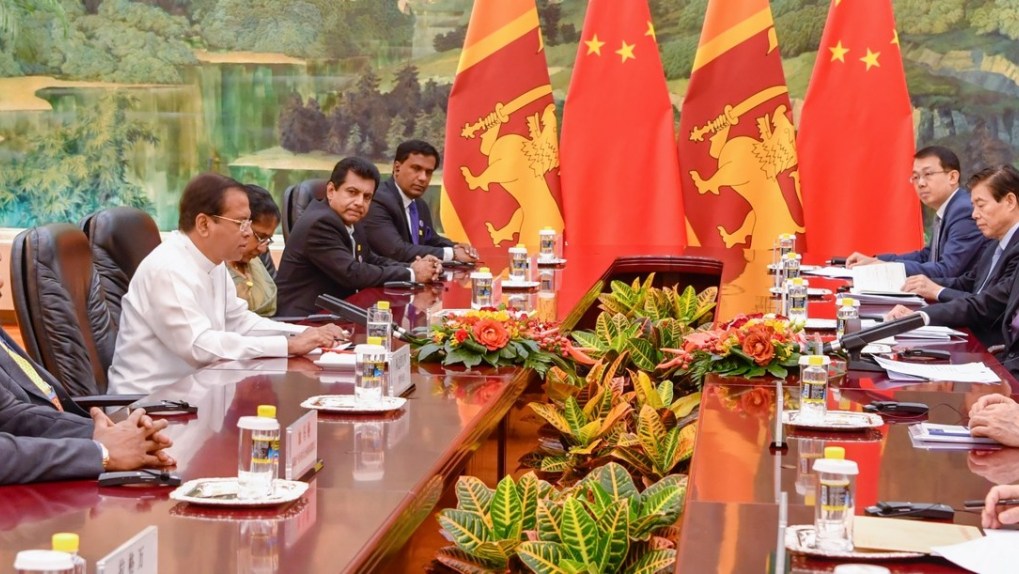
point(447, 253)
point(926, 319)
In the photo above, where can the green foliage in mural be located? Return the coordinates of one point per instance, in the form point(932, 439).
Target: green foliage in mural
point(76, 168)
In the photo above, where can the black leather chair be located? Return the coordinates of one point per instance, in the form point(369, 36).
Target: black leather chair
point(62, 309)
point(120, 237)
point(670, 270)
point(297, 197)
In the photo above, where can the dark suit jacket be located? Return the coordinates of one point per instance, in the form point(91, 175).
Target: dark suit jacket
point(388, 232)
point(960, 243)
point(30, 427)
point(317, 259)
point(968, 283)
point(998, 303)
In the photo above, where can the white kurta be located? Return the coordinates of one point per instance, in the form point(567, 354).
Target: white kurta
point(181, 312)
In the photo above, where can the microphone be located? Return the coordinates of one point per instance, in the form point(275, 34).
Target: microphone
point(852, 343)
point(354, 314)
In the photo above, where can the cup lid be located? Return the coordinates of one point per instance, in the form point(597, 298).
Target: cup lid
point(258, 423)
point(43, 560)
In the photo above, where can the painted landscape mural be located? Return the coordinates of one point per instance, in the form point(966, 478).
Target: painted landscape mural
point(121, 102)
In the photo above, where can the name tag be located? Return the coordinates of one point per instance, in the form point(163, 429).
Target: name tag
point(399, 370)
point(302, 446)
point(138, 555)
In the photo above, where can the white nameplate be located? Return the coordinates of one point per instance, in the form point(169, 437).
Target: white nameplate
point(138, 555)
point(399, 371)
point(302, 446)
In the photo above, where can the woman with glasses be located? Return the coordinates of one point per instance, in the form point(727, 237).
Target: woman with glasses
point(253, 280)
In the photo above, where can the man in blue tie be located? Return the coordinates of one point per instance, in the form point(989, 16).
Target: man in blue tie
point(399, 223)
point(955, 240)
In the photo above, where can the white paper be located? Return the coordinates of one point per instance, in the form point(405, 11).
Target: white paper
point(833, 272)
point(932, 332)
point(965, 373)
point(879, 277)
point(996, 553)
point(885, 298)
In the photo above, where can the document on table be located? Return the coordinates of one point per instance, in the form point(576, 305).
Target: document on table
point(932, 332)
point(879, 278)
point(997, 552)
point(965, 373)
point(932, 432)
point(832, 272)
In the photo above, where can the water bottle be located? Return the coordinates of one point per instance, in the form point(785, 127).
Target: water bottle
point(786, 244)
point(43, 562)
point(791, 265)
point(849, 310)
point(481, 288)
point(796, 300)
point(813, 388)
point(810, 450)
point(380, 324)
point(68, 542)
point(370, 371)
point(546, 244)
point(834, 507)
point(258, 453)
point(518, 263)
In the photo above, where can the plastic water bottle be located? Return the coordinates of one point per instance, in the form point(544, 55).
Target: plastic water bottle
point(849, 309)
point(518, 263)
point(786, 244)
point(43, 562)
point(68, 542)
point(546, 244)
point(370, 371)
point(481, 288)
point(380, 323)
point(791, 265)
point(258, 453)
point(835, 504)
point(796, 299)
point(813, 388)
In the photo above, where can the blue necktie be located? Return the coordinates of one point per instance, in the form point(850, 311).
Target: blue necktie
point(415, 223)
point(936, 240)
point(990, 270)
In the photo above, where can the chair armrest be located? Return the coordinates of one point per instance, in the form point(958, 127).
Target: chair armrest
point(88, 401)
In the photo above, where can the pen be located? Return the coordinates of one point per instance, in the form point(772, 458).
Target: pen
point(979, 503)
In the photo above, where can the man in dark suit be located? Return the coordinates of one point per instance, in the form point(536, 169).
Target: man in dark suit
point(327, 251)
point(399, 224)
point(955, 241)
point(995, 195)
point(44, 436)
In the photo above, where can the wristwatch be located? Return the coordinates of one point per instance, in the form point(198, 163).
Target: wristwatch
point(106, 454)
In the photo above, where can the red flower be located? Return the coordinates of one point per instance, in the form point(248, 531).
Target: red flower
point(491, 334)
point(757, 345)
point(461, 335)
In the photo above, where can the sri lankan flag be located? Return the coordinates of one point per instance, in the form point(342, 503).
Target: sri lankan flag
point(500, 176)
point(737, 144)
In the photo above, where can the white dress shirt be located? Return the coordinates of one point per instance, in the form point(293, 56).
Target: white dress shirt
point(181, 312)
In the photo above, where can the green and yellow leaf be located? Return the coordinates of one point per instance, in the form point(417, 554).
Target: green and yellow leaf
point(579, 532)
point(506, 511)
point(542, 557)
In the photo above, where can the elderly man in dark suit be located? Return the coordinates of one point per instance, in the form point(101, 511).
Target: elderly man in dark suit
point(44, 436)
point(327, 251)
point(399, 224)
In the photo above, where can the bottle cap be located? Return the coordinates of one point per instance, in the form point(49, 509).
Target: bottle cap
point(384, 305)
point(797, 281)
point(817, 360)
point(835, 452)
point(43, 560)
point(65, 542)
point(848, 302)
point(484, 270)
point(807, 360)
point(267, 411)
point(374, 340)
point(521, 246)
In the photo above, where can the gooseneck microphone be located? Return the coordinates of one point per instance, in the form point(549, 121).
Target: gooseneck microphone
point(852, 343)
point(354, 314)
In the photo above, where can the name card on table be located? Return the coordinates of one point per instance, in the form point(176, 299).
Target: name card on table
point(138, 555)
point(399, 370)
point(302, 446)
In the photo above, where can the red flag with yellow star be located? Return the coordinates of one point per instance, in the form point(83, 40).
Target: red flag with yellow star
point(856, 137)
point(500, 177)
point(619, 170)
point(737, 143)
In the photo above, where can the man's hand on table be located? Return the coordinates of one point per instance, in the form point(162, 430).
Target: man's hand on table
point(327, 336)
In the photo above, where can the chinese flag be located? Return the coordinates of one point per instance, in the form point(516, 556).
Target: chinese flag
point(736, 137)
point(500, 175)
point(620, 173)
point(856, 137)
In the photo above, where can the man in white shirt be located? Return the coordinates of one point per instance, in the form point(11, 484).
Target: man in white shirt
point(181, 311)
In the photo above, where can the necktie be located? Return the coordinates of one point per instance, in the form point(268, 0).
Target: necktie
point(33, 375)
point(415, 222)
point(936, 239)
point(990, 270)
point(353, 245)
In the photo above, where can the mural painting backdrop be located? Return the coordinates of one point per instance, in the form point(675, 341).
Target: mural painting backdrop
point(121, 102)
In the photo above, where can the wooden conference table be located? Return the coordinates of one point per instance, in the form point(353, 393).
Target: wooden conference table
point(384, 475)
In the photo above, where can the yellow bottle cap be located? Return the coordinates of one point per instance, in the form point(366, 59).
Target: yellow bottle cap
point(267, 411)
point(835, 452)
point(797, 280)
point(384, 305)
point(848, 302)
point(521, 246)
point(65, 542)
point(374, 340)
point(484, 270)
point(816, 361)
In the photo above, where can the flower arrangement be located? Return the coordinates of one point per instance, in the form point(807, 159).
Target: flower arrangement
point(495, 337)
point(747, 346)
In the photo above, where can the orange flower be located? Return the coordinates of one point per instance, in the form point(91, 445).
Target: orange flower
point(757, 401)
point(491, 334)
point(757, 345)
point(461, 335)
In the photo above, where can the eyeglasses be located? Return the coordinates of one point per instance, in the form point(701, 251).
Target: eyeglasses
point(916, 177)
point(267, 240)
point(244, 224)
